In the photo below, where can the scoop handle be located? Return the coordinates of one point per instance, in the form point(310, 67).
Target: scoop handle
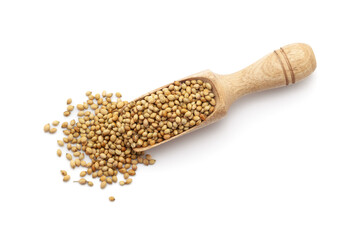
point(282, 67)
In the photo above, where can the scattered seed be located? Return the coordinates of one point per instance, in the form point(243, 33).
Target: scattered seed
point(90, 183)
point(47, 127)
point(109, 180)
point(68, 156)
point(111, 198)
point(58, 152)
point(80, 107)
point(52, 130)
point(69, 101)
point(66, 178)
point(70, 108)
point(82, 181)
point(109, 131)
point(55, 123)
point(63, 172)
point(114, 179)
point(77, 162)
point(60, 143)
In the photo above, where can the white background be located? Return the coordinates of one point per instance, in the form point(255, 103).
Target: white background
point(283, 164)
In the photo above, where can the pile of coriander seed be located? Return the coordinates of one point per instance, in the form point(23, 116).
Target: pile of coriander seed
point(108, 131)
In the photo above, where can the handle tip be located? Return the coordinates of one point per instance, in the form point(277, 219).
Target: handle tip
point(298, 61)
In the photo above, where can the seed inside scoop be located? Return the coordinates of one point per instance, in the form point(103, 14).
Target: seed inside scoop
point(107, 131)
point(166, 113)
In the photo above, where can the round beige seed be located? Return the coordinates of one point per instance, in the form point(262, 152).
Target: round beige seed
point(58, 152)
point(60, 143)
point(132, 172)
point(94, 106)
point(66, 178)
point(90, 183)
point(128, 181)
point(109, 180)
point(103, 111)
point(208, 86)
point(122, 183)
point(103, 185)
point(80, 107)
point(53, 130)
point(111, 198)
point(82, 181)
point(68, 156)
point(69, 101)
point(70, 108)
point(82, 174)
point(63, 172)
point(114, 179)
point(77, 162)
point(47, 127)
point(55, 123)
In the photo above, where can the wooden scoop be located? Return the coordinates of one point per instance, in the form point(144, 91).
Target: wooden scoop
point(282, 67)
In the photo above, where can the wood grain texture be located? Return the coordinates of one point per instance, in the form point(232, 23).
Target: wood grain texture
point(282, 67)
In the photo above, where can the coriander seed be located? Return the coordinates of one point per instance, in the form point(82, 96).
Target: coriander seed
point(47, 127)
point(66, 178)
